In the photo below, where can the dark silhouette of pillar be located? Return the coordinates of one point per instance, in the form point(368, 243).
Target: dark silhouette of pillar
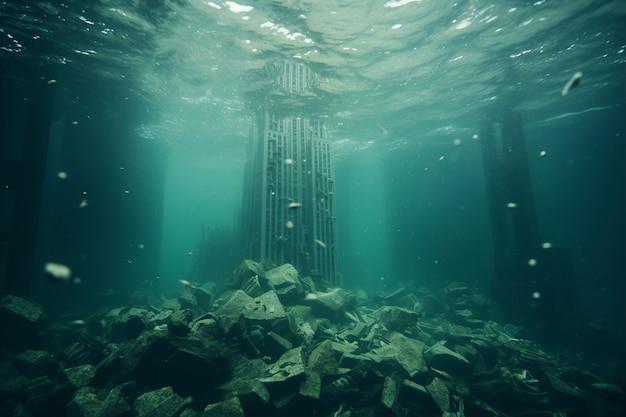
point(534, 283)
point(24, 131)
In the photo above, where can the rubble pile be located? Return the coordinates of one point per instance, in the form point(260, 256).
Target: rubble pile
point(275, 345)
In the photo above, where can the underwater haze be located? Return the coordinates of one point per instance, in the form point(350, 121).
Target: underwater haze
point(150, 106)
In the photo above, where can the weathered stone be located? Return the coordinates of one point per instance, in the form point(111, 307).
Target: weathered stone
point(204, 297)
point(440, 357)
point(440, 393)
point(391, 392)
point(246, 270)
point(34, 363)
point(311, 386)
point(207, 328)
point(286, 282)
point(163, 317)
point(188, 300)
point(127, 323)
point(397, 318)
point(417, 400)
point(245, 382)
point(230, 407)
point(20, 320)
point(80, 376)
point(303, 323)
point(275, 345)
point(179, 322)
point(401, 354)
point(85, 403)
point(162, 402)
point(429, 306)
point(322, 360)
point(249, 391)
point(265, 307)
point(43, 394)
point(116, 403)
point(289, 365)
point(332, 304)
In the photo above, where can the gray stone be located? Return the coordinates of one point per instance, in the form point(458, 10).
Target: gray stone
point(33, 363)
point(228, 408)
point(397, 318)
point(162, 402)
point(311, 386)
point(322, 360)
point(275, 345)
point(289, 365)
point(286, 282)
point(401, 354)
point(429, 306)
point(440, 394)
point(127, 323)
point(21, 320)
point(85, 403)
point(391, 392)
point(332, 304)
point(80, 376)
point(303, 323)
point(116, 403)
point(265, 307)
point(179, 322)
point(245, 271)
point(440, 357)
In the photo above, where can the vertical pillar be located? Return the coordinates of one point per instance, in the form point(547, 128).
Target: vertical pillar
point(534, 285)
point(25, 130)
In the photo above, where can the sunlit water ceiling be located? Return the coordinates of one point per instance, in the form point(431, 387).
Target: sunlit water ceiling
point(382, 68)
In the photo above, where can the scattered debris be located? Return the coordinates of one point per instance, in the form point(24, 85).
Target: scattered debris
point(271, 343)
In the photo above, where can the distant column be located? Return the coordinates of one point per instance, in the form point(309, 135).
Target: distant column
point(534, 283)
point(289, 196)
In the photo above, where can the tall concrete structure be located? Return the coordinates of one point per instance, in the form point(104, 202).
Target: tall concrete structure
point(289, 195)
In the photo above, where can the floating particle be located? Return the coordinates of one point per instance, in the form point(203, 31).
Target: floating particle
point(475, 136)
point(185, 282)
point(84, 192)
point(126, 192)
point(288, 161)
point(511, 205)
point(77, 323)
point(546, 245)
point(140, 246)
point(83, 203)
point(441, 158)
point(294, 205)
point(57, 272)
point(52, 82)
point(573, 82)
point(532, 262)
point(320, 243)
point(289, 224)
point(456, 142)
point(383, 130)
point(62, 175)
point(75, 122)
point(536, 295)
point(190, 253)
point(542, 154)
point(77, 280)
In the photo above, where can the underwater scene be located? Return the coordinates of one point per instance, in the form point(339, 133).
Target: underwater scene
point(354, 208)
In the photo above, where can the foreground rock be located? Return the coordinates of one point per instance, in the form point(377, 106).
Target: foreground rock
point(274, 344)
